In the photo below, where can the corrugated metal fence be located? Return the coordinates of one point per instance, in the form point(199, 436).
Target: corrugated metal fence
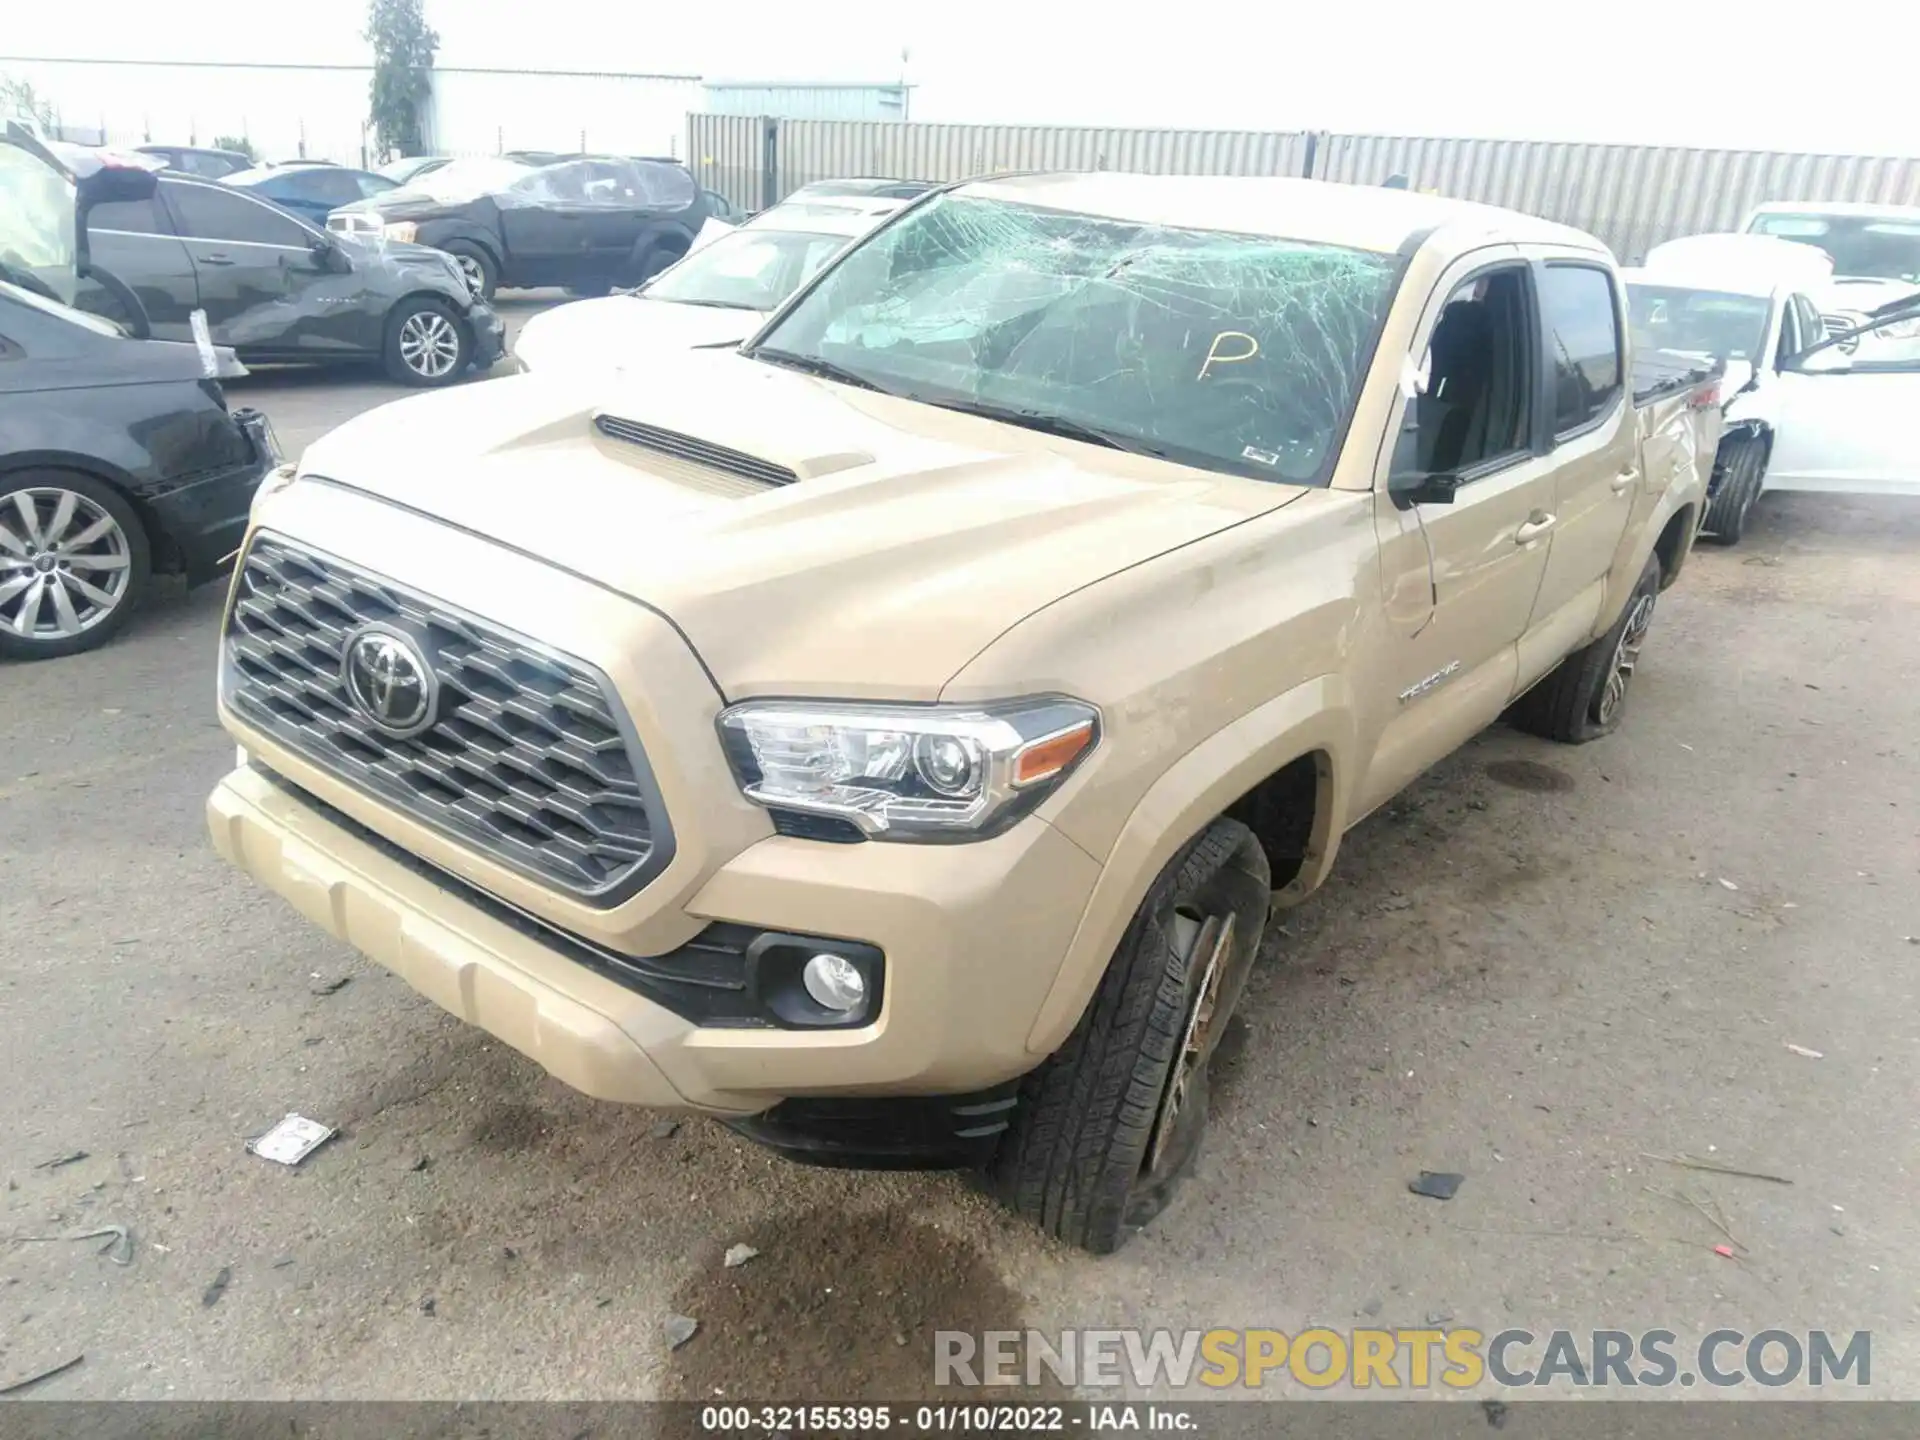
point(1632, 197)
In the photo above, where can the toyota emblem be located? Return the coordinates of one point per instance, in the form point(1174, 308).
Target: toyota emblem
point(387, 676)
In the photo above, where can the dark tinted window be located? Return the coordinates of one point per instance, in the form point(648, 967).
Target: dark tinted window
point(209, 213)
point(323, 185)
point(136, 217)
point(1478, 400)
point(1583, 337)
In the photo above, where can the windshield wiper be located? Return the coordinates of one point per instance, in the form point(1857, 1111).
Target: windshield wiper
point(1048, 424)
point(706, 304)
point(814, 365)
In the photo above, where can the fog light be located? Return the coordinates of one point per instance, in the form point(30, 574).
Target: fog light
point(834, 982)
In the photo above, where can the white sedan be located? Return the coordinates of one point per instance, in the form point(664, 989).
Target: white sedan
point(717, 296)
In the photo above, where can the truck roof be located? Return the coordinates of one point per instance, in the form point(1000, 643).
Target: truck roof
point(1361, 217)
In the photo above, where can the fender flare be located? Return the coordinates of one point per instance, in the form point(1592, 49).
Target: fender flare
point(438, 232)
point(1313, 718)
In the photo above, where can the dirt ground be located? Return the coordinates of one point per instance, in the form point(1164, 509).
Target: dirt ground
point(1538, 968)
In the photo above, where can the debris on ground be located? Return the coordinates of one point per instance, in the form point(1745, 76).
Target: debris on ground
point(680, 1329)
point(738, 1255)
point(72, 1157)
point(429, 1306)
point(1439, 1317)
point(217, 1288)
point(330, 985)
point(1728, 884)
point(1687, 1162)
point(12, 1387)
point(1725, 1252)
point(1803, 1050)
point(119, 1246)
point(1496, 1411)
point(665, 1130)
point(291, 1140)
point(1436, 1185)
point(1371, 1308)
point(420, 1165)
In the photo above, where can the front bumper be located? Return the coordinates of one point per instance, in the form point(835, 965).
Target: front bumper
point(972, 936)
point(489, 334)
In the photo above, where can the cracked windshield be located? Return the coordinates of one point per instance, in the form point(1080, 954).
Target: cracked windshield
point(1238, 353)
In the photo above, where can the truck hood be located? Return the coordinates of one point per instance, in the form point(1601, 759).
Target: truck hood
point(612, 332)
point(909, 539)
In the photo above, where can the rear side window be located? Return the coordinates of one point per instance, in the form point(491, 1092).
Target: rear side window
point(130, 217)
point(1583, 343)
point(209, 212)
point(664, 187)
point(324, 185)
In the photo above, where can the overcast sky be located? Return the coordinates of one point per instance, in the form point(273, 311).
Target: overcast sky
point(1741, 75)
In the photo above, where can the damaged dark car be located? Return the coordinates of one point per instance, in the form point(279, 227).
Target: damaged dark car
point(279, 291)
point(590, 224)
point(120, 459)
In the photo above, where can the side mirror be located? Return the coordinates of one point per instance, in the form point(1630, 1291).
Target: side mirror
point(1827, 360)
point(1417, 487)
point(328, 255)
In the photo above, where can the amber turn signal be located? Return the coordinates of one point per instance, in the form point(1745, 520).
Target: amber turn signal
point(1044, 759)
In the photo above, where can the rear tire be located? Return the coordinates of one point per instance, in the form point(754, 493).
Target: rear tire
point(75, 563)
point(1109, 1125)
point(1584, 696)
point(1742, 475)
point(477, 264)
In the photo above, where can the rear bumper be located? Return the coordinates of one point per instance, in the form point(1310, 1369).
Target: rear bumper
point(207, 519)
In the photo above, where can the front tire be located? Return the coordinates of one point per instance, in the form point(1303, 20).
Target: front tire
point(427, 345)
point(1110, 1124)
point(1584, 697)
point(75, 563)
point(1741, 479)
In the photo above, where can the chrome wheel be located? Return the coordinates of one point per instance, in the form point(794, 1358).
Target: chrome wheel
point(65, 564)
point(1626, 655)
point(429, 344)
point(1206, 942)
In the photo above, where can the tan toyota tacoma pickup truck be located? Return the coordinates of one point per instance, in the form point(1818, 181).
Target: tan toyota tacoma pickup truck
point(890, 737)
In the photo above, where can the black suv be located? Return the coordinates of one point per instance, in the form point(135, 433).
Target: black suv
point(279, 291)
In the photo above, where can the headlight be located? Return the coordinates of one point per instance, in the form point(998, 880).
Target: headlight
point(402, 230)
point(908, 772)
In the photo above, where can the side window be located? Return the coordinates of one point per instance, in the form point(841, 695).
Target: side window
point(1477, 405)
point(1813, 325)
point(328, 186)
point(131, 217)
point(1792, 342)
point(368, 185)
point(1583, 336)
point(208, 212)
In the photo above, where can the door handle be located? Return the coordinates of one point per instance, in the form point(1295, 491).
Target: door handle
point(216, 258)
point(1537, 524)
point(1622, 482)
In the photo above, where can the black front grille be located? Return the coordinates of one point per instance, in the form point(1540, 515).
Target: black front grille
point(695, 452)
point(527, 761)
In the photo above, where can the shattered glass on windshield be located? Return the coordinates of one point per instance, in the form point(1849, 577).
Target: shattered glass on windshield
point(1231, 352)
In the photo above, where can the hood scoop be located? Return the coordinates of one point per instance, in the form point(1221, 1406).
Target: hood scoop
point(692, 451)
